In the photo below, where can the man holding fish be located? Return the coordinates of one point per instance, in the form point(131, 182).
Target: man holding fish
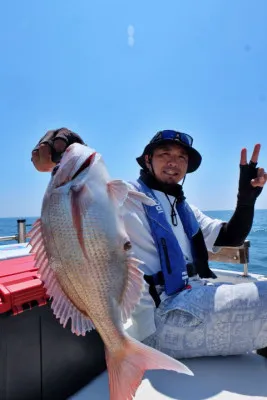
point(181, 313)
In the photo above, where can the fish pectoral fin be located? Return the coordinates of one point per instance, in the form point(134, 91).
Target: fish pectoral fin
point(135, 200)
point(61, 305)
point(122, 193)
point(133, 289)
point(141, 197)
point(118, 191)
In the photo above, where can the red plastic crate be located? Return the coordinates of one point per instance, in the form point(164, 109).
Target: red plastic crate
point(20, 285)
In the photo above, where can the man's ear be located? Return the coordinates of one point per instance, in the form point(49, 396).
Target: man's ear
point(148, 161)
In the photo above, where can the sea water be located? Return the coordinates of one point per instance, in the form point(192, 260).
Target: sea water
point(257, 238)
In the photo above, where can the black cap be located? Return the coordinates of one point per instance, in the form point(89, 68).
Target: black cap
point(170, 136)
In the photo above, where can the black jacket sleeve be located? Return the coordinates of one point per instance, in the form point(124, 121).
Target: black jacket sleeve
point(234, 232)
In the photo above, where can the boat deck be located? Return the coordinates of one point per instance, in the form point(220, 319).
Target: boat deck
point(217, 378)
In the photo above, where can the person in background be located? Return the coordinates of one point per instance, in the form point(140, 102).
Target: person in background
point(183, 311)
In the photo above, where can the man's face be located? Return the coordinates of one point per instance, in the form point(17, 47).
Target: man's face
point(170, 163)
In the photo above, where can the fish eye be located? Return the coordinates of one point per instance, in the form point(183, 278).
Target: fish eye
point(127, 246)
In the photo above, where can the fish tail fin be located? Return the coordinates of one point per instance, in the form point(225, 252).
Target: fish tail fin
point(127, 367)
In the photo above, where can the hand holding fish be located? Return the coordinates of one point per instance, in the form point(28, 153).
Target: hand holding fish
point(252, 179)
point(51, 146)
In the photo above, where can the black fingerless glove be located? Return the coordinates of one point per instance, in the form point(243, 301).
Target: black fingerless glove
point(65, 134)
point(247, 194)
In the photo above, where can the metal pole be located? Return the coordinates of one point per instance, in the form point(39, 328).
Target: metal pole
point(246, 257)
point(21, 230)
point(245, 272)
point(8, 238)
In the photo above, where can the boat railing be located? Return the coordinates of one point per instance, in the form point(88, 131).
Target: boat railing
point(232, 255)
point(21, 234)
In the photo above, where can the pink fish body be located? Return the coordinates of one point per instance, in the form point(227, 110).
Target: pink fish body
point(84, 259)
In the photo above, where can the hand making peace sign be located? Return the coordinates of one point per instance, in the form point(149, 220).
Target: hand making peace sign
point(252, 179)
point(261, 177)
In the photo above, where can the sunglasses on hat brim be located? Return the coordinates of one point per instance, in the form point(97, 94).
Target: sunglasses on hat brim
point(172, 135)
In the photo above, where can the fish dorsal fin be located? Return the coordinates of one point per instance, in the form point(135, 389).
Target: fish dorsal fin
point(133, 290)
point(61, 305)
point(118, 191)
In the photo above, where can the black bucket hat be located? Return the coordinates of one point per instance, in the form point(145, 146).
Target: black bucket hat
point(183, 139)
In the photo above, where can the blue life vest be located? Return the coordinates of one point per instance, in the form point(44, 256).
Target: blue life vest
point(173, 264)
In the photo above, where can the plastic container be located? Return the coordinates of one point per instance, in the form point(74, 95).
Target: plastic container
point(39, 359)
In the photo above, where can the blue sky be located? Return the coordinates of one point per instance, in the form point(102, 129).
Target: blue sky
point(118, 71)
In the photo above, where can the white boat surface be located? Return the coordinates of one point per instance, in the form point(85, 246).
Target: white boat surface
point(15, 250)
point(215, 378)
point(240, 377)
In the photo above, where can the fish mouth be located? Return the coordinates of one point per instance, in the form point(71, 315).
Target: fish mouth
point(84, 165)
point(62, 181)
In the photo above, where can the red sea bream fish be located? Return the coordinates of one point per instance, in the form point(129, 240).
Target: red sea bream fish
point(84, 259)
